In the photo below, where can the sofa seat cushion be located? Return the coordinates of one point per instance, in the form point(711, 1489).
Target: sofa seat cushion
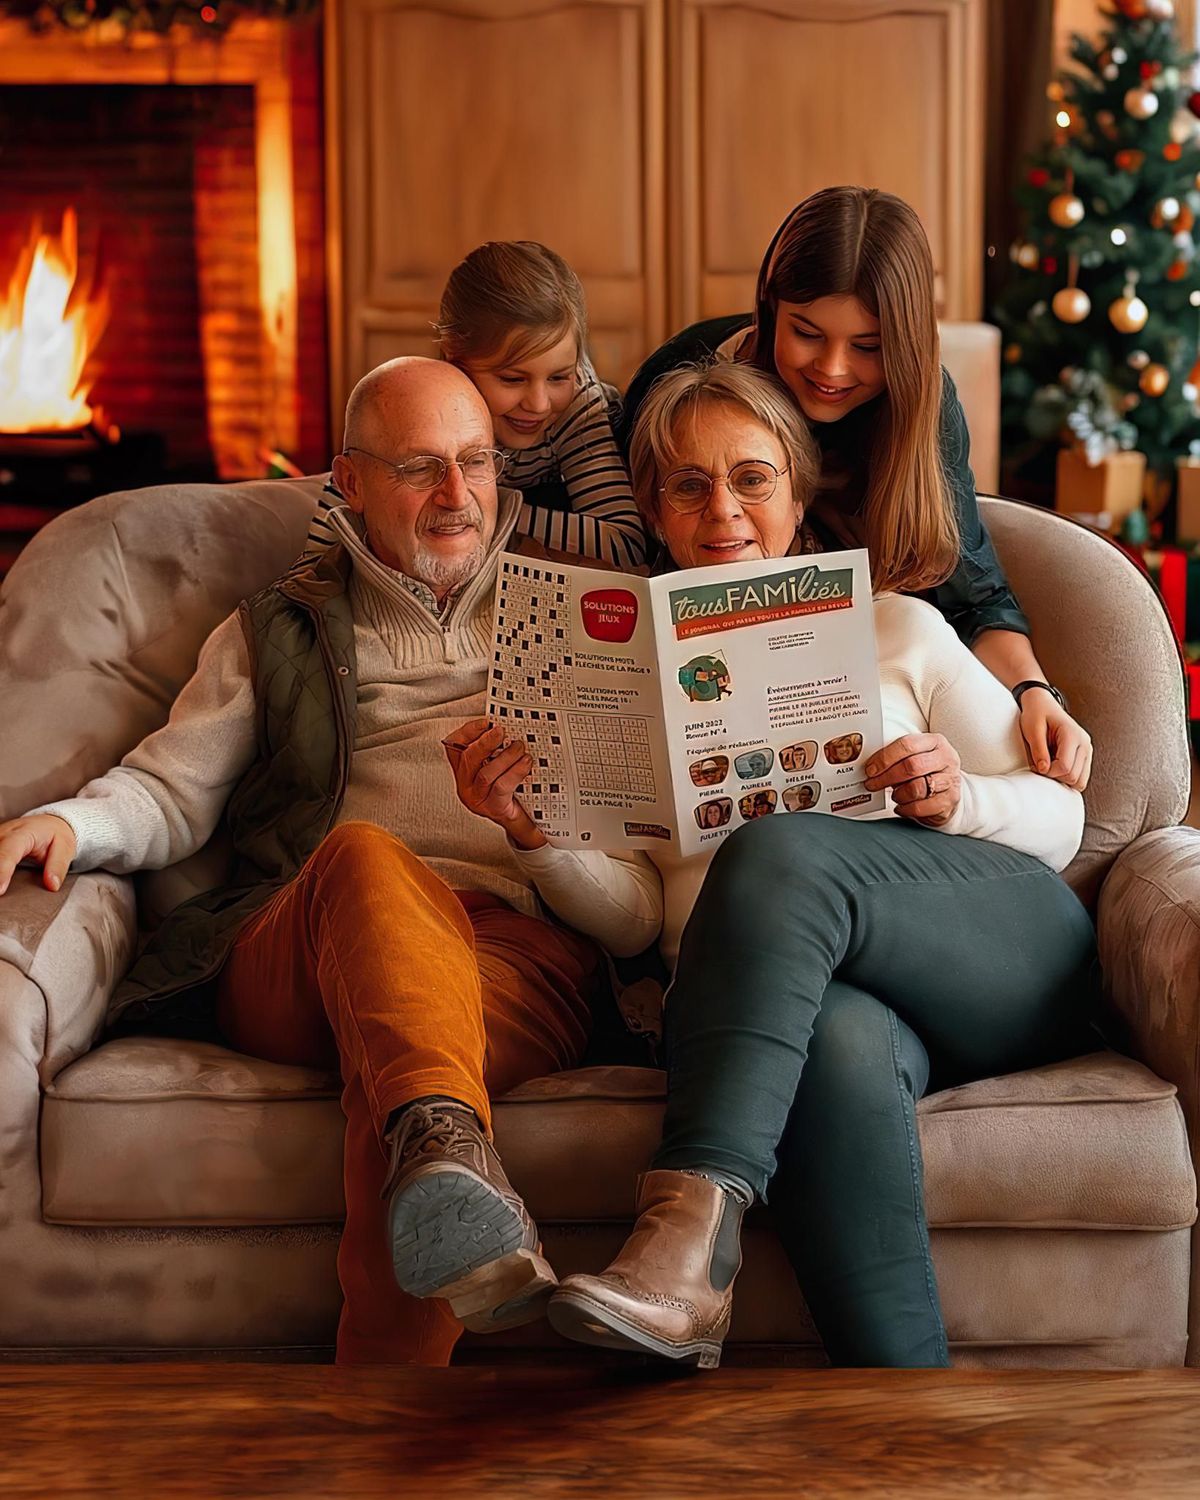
point(150, 1130)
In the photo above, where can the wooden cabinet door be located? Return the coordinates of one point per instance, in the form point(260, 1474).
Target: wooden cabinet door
point(770, 100)
point(458, 121)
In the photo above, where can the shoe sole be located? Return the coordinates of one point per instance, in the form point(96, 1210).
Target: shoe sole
point(579, 1317)
point(455, 1237)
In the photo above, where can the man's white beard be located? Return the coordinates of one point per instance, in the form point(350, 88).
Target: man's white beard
point(442, 574)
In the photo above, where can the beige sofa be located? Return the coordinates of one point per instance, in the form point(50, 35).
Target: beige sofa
point(164, 1195)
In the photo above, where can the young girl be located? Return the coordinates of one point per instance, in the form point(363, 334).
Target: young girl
point(845, 317)
point(513, 318)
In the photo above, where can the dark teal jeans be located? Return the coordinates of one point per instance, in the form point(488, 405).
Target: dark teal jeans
point(830, 973)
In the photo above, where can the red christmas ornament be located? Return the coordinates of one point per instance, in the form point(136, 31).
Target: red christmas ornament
point(1132, 10)
point(1039, 176)
point(1150, 70)
point(1177, 270)
point(1172, 151)
point(1194, 103)
point(1050, 265)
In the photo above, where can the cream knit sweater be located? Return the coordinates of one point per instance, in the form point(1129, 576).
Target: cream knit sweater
point(418, 679)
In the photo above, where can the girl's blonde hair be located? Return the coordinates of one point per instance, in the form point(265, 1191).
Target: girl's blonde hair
point(508, 300)
point(863, 243)
point(681, 393)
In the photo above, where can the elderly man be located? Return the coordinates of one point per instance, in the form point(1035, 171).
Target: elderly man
point(314, 721)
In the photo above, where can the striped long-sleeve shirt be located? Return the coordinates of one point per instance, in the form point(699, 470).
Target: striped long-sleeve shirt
point(579, 449)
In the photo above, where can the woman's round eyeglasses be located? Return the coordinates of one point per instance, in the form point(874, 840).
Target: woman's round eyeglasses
point(425, 471)
point(750, 482)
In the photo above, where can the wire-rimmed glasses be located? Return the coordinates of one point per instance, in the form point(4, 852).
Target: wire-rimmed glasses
point(425, 471)
point(751, 483)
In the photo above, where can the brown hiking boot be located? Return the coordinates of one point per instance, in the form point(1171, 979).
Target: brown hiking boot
point(458, 1229)
point(670, 1290)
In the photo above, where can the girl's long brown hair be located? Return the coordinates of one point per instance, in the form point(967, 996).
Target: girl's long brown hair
point(508, 300)
point(860, 242)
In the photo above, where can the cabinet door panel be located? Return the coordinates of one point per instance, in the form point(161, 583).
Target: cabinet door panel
point(469, 120)
point(775, 99)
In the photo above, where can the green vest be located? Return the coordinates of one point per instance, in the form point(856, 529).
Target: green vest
point(300, 635)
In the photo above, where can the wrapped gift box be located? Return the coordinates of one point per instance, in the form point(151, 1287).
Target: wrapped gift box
point(1112, 487)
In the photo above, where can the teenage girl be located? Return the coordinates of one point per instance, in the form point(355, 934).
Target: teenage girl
point(844, 317)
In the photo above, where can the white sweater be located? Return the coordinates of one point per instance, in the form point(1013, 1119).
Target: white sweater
point(929, 681)
point(419, 678)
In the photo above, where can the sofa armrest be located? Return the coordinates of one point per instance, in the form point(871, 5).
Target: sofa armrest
point(1148, 926)
point(74, 945)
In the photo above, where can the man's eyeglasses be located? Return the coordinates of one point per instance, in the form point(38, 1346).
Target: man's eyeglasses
point(425, 471)
point(750, 482)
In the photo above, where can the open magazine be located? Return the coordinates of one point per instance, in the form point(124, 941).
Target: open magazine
point(676, 709)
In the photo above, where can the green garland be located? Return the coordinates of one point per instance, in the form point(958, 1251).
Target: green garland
point(119, 17)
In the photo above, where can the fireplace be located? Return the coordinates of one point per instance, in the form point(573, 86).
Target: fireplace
point(189, 172)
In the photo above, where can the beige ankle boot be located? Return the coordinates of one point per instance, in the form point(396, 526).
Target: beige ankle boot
point(670, 1290)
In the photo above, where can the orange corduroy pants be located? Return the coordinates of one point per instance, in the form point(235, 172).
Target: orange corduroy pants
point(368, 960)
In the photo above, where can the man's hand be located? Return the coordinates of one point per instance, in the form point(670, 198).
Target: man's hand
point(487, 773)
point(924, 774)
point(1058, 747)
point(43, 840)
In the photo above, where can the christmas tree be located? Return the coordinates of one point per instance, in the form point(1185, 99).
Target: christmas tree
point(1102, 316)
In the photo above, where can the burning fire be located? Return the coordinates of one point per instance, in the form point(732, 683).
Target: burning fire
point(49, 326)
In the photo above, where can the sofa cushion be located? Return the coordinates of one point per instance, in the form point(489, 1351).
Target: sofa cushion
point(148, 1130)
point(148, 574)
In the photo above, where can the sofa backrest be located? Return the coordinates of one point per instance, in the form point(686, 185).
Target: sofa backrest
point(104, 613)
point(1102, 635)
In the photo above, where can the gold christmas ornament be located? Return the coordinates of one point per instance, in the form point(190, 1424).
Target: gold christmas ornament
point(1183, 126)
point(1154, 380)
point(1066, 210)
point(1128, 403)
point(1138, 360)
point(1071, 305)
point(1141, 103)
point(1055, 92)
point(1164, 212)
point(1128, 313)
point(1160, 10)
point(1012, 354)
point(1025, 255)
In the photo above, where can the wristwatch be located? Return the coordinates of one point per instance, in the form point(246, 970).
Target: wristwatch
point(1033, 682)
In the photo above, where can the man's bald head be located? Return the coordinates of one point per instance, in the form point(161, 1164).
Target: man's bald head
point(401, 393)
point(405, 409)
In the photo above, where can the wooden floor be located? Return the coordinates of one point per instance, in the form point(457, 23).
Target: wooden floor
point(319, 1431)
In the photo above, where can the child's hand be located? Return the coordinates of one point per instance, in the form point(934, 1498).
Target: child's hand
point(487, 773)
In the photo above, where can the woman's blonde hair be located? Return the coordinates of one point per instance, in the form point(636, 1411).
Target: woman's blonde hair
point(860, 242)
point(510, 299)
point(681, 393)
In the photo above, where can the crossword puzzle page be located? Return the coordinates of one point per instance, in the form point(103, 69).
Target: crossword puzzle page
point(676, 709)
point(573, 675)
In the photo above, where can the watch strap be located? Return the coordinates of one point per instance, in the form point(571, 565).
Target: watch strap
point(1036, 682)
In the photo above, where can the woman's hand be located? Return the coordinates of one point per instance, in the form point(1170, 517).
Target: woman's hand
point(924, 774)
point(487, 773)
point(1058, 747)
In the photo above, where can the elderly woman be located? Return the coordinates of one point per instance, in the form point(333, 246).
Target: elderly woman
point(827, 970)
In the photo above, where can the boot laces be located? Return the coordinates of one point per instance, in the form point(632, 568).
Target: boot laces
point(424, 1128)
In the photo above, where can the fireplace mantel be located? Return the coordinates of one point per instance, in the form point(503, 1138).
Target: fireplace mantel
point(254, 52)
